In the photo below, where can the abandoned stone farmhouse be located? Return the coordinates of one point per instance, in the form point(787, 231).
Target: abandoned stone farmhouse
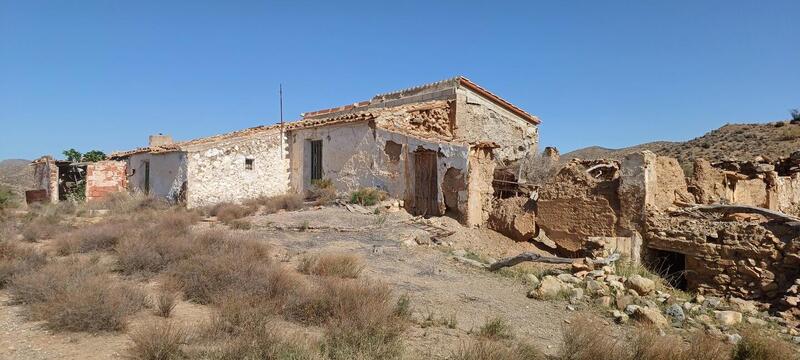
point(435, 146)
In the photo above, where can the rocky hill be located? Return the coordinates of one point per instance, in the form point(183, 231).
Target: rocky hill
point(16, 174)
point(732, 141)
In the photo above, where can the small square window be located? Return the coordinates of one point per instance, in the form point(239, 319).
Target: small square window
point(248, 164)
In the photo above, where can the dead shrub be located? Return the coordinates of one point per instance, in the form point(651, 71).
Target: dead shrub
point(158, 341)
point(288, 202)
point(145, 255)
point(175, 222)
point(42, 227)
point(100, 237)
point(492, 350)
point(227, 212)
point(16, 259)
point(368, 196)
point(757, 345)
point(127, 203)
point(76, 295)
point(241, 267)
point(240, 224)
point(263, 341)
point(321, 192)
point(587, 338)
point(496, 328)
point(359, 318)
point(341, 265)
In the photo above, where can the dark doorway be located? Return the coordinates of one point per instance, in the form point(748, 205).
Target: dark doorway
point(671, 266)
point(426, 193)
point(146, 177)
point(316, 160)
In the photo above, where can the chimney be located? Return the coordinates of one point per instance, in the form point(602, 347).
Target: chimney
point(160, 139)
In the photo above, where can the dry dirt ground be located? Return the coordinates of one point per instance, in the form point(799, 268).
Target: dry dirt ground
point(439, 286)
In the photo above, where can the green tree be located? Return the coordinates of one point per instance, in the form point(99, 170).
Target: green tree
point(795, 114)
point(72, 155)
point(94, 156)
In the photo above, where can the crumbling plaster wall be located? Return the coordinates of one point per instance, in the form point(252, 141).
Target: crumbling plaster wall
point(480, 120)
point(354, 155)
point(167, 174)
point(217, 172)
point(104, 178)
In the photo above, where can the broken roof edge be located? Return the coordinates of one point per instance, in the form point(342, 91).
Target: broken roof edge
point(458, 81)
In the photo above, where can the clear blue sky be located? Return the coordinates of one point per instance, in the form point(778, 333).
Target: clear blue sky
point(104, 74)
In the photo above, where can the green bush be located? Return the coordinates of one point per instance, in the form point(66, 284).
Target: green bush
point(7, 197)
point(367, 196)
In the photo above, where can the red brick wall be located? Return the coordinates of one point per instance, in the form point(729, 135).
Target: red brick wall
point(104, 178)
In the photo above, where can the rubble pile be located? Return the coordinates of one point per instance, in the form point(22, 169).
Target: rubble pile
point(627, 296)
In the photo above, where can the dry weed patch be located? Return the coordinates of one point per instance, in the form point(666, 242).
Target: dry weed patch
point(158, 341)
point(492, 350)
point(341, 265)
point(17, 259)
point(75, 295)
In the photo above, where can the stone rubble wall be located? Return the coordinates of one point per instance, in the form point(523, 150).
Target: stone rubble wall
point(104, 178)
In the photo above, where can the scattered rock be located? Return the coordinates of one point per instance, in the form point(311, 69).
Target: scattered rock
point(569, 279)
point(743, 306)
point(755, 321)
point(532, 280)
point(675, 311)
point(470, 262)
point(728, 318)
point(650, 316)
point(604, 301)
point(641, 285)
point(551, 288)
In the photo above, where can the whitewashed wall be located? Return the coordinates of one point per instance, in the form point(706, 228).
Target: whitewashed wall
point(217, 173)
point(167, 174)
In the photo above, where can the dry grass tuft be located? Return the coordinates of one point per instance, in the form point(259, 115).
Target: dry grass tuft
point(491, 350)
point(158, 341)
point(589, 338)
point(262, 341)
point(495, 329)
point(164, 303)
point(757, 345)
point(75, 295)
point(227, 212)
point(100, 237)
point(341, 265)
point(16, 259)
point(42, 227)
point(288, 202)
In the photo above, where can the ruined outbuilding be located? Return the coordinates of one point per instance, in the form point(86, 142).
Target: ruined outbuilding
point(58, 180)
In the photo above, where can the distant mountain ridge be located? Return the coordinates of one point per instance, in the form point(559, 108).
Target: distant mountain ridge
point(731, 141)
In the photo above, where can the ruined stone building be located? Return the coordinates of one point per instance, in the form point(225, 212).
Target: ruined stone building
point(699, 231)
point(56, 180)
point(434, 146)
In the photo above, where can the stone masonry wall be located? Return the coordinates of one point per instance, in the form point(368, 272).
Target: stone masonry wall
point(480, 120)
point(218, 172)
point(104, 178)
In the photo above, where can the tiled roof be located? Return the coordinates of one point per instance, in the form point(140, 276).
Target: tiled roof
point(294, 125)
point(456, 81)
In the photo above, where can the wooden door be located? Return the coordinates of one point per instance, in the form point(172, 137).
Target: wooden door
point(426, 190)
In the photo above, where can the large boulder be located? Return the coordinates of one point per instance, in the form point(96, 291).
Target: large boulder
point(513, 217)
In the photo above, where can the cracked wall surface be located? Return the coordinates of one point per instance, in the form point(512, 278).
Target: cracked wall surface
point(104, 178)
point(167, 174)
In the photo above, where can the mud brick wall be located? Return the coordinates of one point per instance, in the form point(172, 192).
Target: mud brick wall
point(104, 178)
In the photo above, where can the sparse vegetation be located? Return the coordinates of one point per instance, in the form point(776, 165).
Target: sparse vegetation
point(75, 295)
point(165, 302)
point(7, 197)
point(367, 196)
point(341, 265)
point(322, 192)
point(496, 328)
point(756, 345)
point(158, 341)
point(17, 259)
point(492, 350)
